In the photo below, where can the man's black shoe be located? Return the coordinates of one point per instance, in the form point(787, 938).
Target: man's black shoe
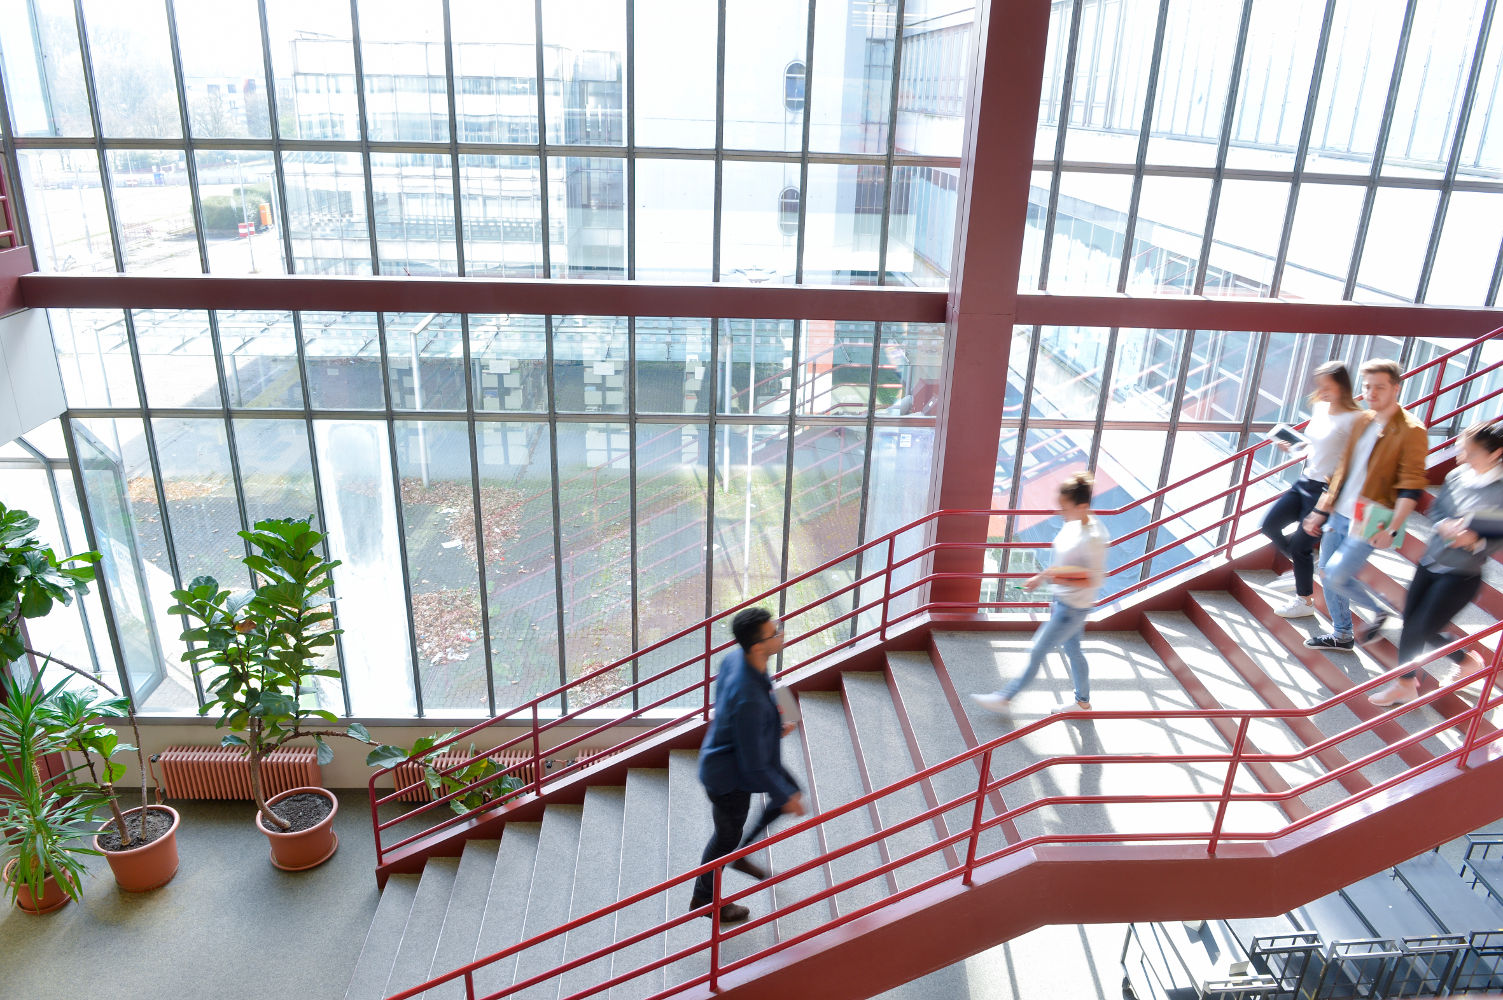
point(747, 866)
point(730, 913)
point(1371, 632)
point(1329, 641)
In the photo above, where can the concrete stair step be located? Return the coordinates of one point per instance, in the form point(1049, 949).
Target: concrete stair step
point(456, 941)
point(924, 708)
point(884, 753)
point(420, 938)
point(836, 779)
point(644, 863)
point(548, 898)
point(788, 854)
point(506, 904)
point(373, 967)
point(597, 875)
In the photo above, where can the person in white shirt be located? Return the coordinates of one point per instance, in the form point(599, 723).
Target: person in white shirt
point(1333, 413)
point(1075, 574)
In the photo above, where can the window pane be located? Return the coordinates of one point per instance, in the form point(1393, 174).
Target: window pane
point(503, 219)
point(43, 70)
point(921, 230)
point(414, 198)
point(238, 197)
point(194, 457)
point(314, 62)
point(70, 228)
point(1067, 374)
point(1194, 76)
point(344, 361)
point(844, 224)
point(758, 222)
point(1441, 43)
point(1466, 256)
point(1144, 374)
point(584, 55)
point(1354, 85)
point(1089, 227)
point(589, 364)
point(438, 516)
point(913, 364)
point(1127, 467)
point(225, 82)
point(154, 211)
point(672, 466)
point(1483, 146)
point(1275, 84)
point(1320, 245)
point(594, 462)
point(1033, 233)
point(1285, 381)
point(93, 355)
point(935, 74)
point(260, 359)
point(177, 358)
point(587, 217)
point(1166, 243)
point(675, 219)
point(852, 85)
point(1249, 223)
point(673, 357)
point(1111, 81)
point(1219, 373)
point(763, 42)
point(675, 73)
point(495, 69)
point(425, 359)
point(508, 356)
point(402, 60)
point(354, 470)
point(1397, 237)
point(133, 79)
point(754, 366)
point(748, 550)
point(835, 377)
point(517, 505)
point(326, 208)
point(275, 470)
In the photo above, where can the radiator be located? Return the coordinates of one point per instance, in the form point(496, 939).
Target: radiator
point(224, 772)
point(407, 773)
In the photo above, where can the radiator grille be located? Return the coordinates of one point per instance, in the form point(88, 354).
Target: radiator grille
point(407, 773)
point(224, 773)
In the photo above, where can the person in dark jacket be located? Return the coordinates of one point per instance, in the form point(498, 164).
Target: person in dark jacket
point(741, 755)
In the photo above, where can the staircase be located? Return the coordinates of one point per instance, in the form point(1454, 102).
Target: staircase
point(865, 729)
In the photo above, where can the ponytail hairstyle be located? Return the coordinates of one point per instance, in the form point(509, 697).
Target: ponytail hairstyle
point(1487, 435)
point(1336, 372)
point(1076, 488)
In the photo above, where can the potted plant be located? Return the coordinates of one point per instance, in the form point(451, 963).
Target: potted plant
point(45, 821)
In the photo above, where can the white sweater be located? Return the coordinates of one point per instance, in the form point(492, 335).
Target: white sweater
point(1082, 545)
point(1327, 433)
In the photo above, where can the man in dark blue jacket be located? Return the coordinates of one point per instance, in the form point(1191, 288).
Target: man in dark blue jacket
point(740, 754)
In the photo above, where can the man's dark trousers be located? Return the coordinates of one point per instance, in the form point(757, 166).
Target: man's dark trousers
point(729, 812)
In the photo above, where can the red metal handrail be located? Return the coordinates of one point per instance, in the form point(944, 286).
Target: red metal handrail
point(699, 690)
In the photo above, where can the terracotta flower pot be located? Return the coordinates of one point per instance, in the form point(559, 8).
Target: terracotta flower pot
point(150, 867)
point(295, 852)
point(53, 897)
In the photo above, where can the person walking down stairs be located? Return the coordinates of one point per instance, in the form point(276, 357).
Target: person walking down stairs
point(1468, 516)
point(1384, 464)
point(1333, 412)
point(1075, 572)
point(741, 755)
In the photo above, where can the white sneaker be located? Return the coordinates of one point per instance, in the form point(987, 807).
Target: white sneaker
point(1295, 609)
point(993, 702)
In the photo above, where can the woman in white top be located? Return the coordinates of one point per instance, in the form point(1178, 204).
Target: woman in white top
point(1076, 571)
point(1333, 412)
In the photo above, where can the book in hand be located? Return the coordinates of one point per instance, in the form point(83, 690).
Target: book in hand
point(1369, 518)
point(1071, 574)
point(1283, 433)
point(787, 705)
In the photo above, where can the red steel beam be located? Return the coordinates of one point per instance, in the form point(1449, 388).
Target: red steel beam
point(483, 295)
point(14, 262)
point(992, 216)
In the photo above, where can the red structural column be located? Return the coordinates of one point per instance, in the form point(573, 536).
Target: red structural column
point(996, 165)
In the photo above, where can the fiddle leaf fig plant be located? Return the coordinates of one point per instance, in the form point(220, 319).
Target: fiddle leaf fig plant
point(33, 579)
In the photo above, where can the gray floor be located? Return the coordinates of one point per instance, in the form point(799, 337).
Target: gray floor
point(230, 925)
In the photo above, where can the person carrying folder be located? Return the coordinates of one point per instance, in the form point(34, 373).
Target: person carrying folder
point(1383, 464)
point(1468, 516)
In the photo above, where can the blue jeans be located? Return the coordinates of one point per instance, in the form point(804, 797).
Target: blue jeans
point(1061, 631)
point(1341, 559)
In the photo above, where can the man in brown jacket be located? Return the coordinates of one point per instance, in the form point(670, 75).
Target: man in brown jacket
point(1384, 463)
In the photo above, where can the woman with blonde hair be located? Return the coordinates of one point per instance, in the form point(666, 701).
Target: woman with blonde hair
point(1333, 414)
point(1075, 572)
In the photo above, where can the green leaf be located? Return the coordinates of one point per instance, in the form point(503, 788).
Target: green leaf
point(385, 756)
point(358, 732)
point(325, 752)
point(231, 740)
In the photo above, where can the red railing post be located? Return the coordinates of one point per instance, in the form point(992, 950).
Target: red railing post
point(537, 754)
point(1440, 373)
point(970, 851)
point(886, 585)
point(376, 818)
point(469, 986)
point(1226, 788)
point(1231, 534)
point(715, 932)
point(1476, 721)
point(707, 672)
